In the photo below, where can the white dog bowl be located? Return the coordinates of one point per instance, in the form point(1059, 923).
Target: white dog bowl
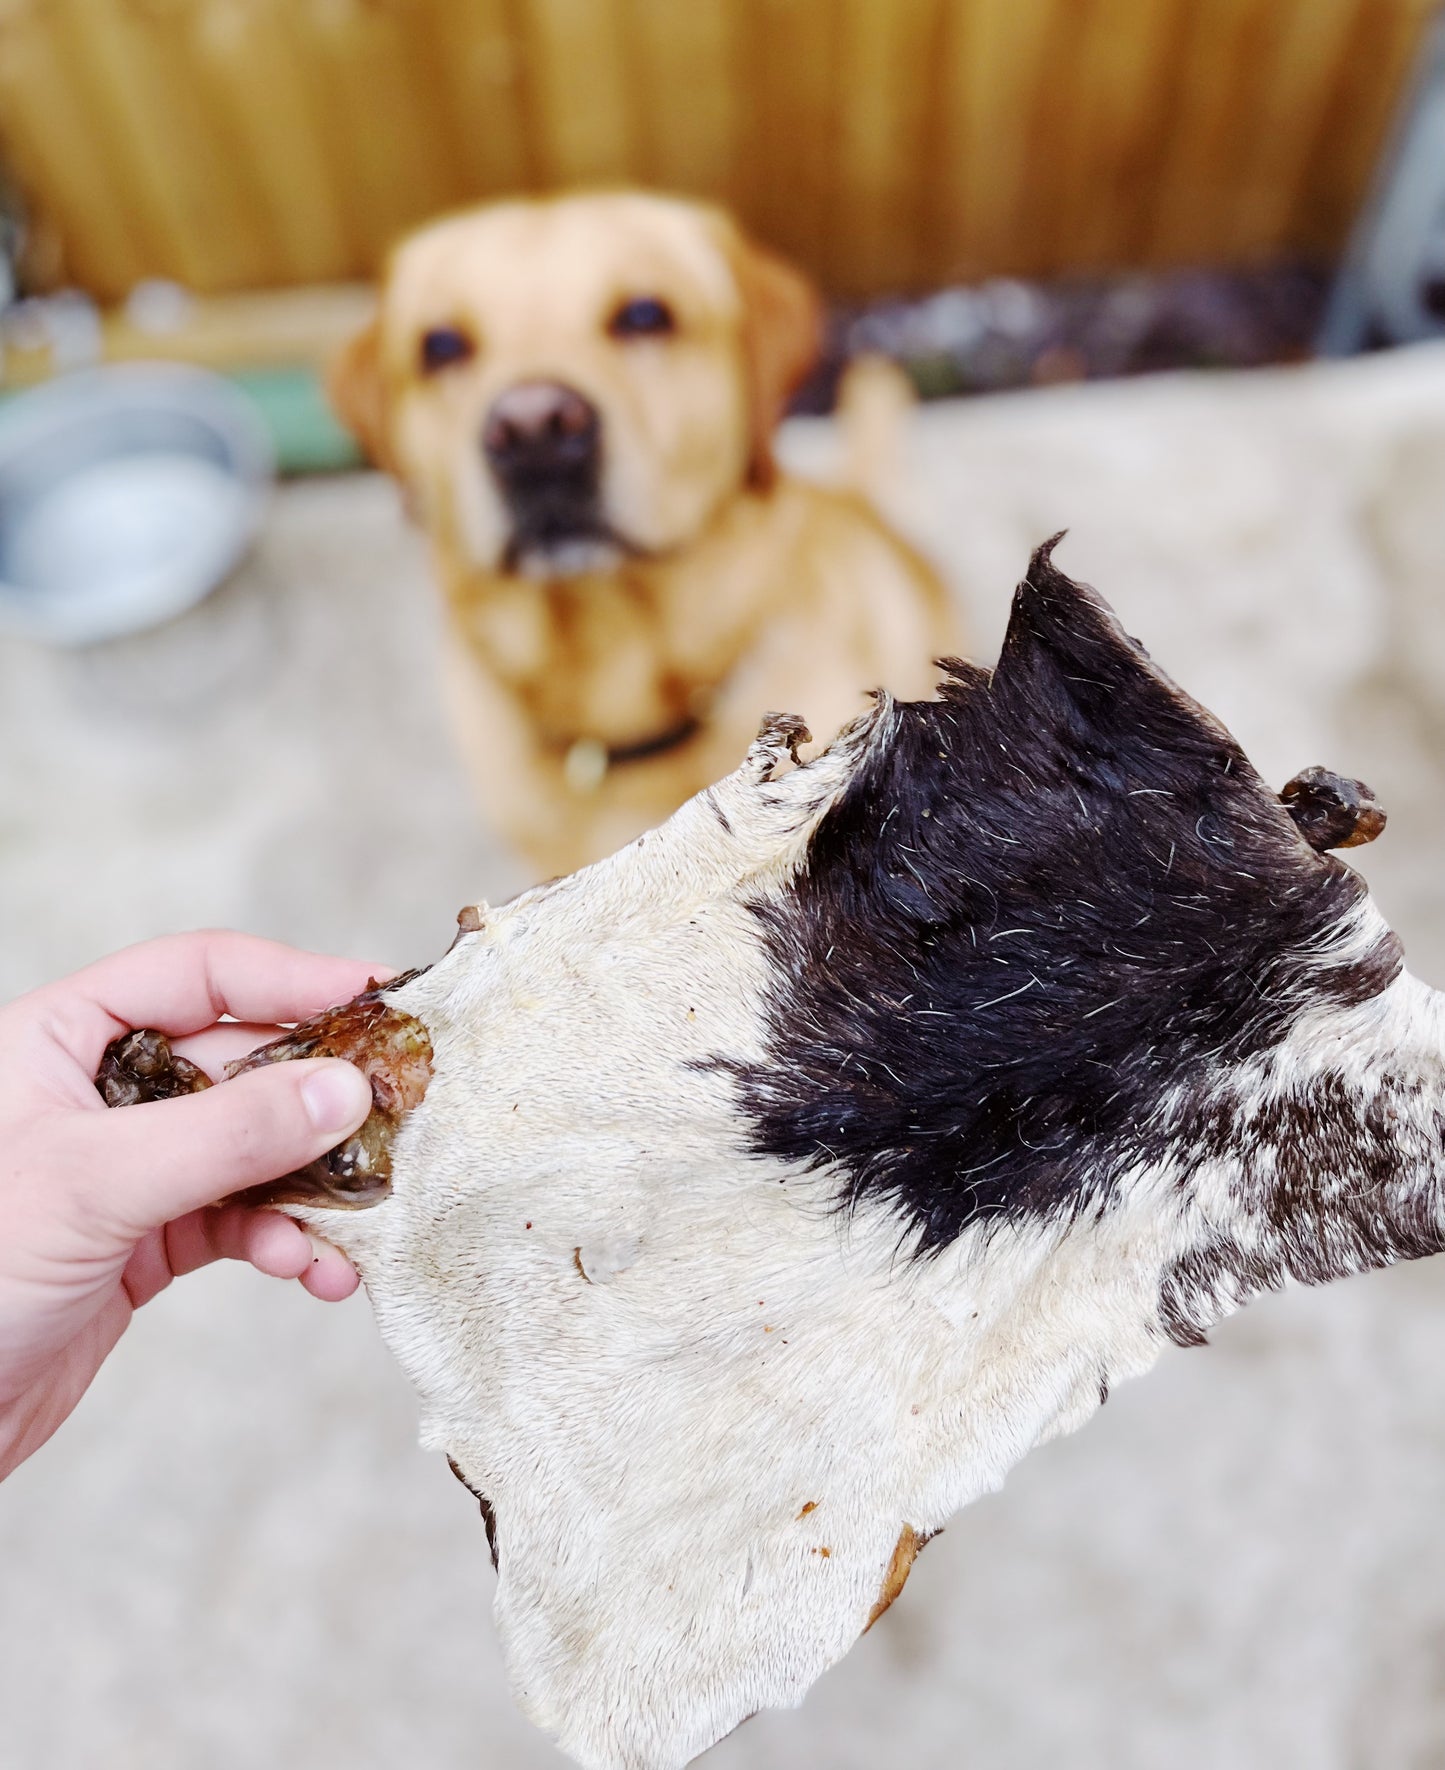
point(126, 495)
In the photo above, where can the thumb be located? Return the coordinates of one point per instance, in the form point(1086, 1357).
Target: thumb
point(144, 1165)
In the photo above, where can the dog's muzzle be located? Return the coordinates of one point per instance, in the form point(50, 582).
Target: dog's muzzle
point(543, 444)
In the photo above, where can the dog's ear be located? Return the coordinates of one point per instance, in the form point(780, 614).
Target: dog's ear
point(357, 391)
point(782, 336)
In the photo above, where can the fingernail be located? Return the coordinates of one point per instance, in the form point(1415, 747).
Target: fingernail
point(336, 1097)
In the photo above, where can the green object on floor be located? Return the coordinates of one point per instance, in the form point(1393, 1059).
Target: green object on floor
point(304, 432)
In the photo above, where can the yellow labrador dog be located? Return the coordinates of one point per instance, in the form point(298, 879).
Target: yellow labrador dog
point(578, 395)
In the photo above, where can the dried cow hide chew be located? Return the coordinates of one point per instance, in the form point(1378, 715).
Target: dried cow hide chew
point(786, 1178)
point(388, 1046)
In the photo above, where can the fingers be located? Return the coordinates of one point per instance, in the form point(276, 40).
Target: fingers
point(145, 1165)
point(330, 1277)
point(187, 981)
point(273, 1244)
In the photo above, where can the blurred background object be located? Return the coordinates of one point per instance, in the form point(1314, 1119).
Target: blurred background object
point(126, 495)
point(1391, 288)
point(234, 1554)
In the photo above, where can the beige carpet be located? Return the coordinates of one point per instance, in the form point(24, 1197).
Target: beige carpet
point(234, 1556)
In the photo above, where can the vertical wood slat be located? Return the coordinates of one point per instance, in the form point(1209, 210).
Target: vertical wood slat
point(1312, 38)
point(883, 71)
point(240, 54)
point(984, 219)
point(785, 71)
point(682, 97)
point(385, 132)
point(133, 70)
point(585, 126)
point(1054, 101)
point(1120, 77)
point(49, 134)
point(886, 144)
point(1220, 103)
point(477, 54)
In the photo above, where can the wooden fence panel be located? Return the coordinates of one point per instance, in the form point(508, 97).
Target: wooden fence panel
point(786, 67)
point(682, 58)
point(887, 144)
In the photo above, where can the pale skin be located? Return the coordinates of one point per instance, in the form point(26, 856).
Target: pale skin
point(100, 1210)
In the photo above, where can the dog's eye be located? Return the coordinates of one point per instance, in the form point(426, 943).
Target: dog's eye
point(642, 317)
point(442, 346)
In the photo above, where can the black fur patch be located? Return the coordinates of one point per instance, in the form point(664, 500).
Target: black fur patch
point(1044, 905)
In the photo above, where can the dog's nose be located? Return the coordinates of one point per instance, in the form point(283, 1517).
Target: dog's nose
point(540, 428)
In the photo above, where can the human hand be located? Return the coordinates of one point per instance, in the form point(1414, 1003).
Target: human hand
point(100, 1210)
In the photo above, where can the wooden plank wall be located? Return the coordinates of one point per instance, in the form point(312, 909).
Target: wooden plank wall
point(887, 144)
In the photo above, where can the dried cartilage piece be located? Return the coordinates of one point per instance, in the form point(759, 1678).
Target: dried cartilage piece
point(390, 1048)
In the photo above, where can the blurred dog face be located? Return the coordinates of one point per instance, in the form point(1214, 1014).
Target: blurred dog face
point(564, 383)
